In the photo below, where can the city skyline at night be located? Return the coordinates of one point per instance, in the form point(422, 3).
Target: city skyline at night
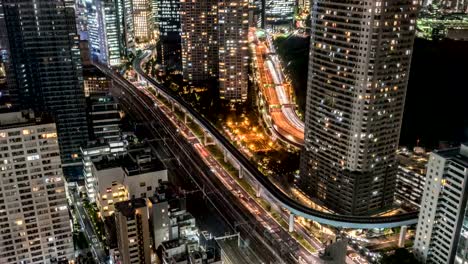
point(241, 131)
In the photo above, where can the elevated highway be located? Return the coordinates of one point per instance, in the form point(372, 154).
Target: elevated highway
point(264, 186)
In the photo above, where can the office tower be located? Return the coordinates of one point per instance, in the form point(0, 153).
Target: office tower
point(104, 118)
point(105, 31)
point(47, 68)
point(233, 18)
point(7, 90)
point(133, 233)
point(34, 223)
point(411, 177)
point(143, 21)
point(168, 17)
point(279, 13)
point(214, 44)
point(450, 6)
point(441, 226)
point(168, 25)
point(360, 55)
point(304, 4)
point(199, 40)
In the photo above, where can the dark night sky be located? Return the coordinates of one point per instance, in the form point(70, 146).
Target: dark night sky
point(437, 99)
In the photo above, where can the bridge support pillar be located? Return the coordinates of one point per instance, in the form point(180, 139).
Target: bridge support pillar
point(241, 172)
point(172, 106)
point(401, 240)
point(225, 155)
point(206, 139)
point(185, 118)
point(258, 192)
point(291, 222)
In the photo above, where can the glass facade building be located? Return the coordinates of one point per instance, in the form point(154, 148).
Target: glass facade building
point(105, 31)
point(45, 59)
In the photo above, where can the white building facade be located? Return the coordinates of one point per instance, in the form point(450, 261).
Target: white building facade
point(34, 220)
point(443, 206)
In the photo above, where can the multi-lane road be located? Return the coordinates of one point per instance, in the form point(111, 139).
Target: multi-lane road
point(95, 245)
point(280, 110)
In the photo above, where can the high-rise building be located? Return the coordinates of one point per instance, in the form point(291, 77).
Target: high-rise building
point(133, 232)
point(105, 31)
point(199, 23)
point(45, 57)
point(233, 19)
point(168, 17)
point(214, 44)
point(168, 25)
point(451, 6)
point(360, 55)
point(304, 4)
point(34, 223)
point(143, 20)
point(7, 89)
point(279, 13)
point(441, 232)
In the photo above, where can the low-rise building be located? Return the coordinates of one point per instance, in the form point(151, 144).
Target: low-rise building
point(136, 174)
point(411, 175)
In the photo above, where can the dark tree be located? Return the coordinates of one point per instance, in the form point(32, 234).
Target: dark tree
point(400, 256)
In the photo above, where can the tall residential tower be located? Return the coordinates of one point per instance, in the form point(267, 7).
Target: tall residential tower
point(45, 57)
point(360, 56)
point(214, 44)
point(34, 219)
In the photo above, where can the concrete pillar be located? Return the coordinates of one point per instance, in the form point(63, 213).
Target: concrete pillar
point(225, 156)
point(205, 138)
point(291, 222)
point(173, 106)
point(241, 172)
point(401, 240)
point(259, 190)
point(185, 118)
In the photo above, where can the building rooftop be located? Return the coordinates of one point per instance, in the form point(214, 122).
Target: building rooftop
point(459, 154)
point(92, 71)
point(415, 161)
point(138, 160)
point(127, 208)
point(14, 119)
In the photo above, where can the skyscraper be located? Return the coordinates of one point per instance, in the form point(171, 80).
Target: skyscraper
point(233, 18)
point(360, 55)
point(105, 31)
point(279, 12)
point(214, 44)
point(168, 17)
point(199, 23)
point(143, 20)
point(168, 24)
point(442, 231)
point(34, 222)
point(45, 59)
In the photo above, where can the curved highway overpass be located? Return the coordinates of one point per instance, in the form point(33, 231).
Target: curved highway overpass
point(296, 208)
